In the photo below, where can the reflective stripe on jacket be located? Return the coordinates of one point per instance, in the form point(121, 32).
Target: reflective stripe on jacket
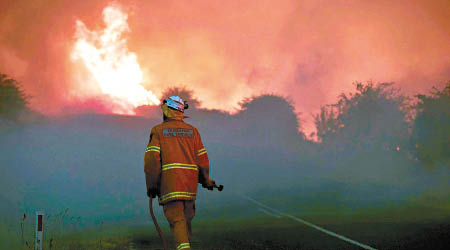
point(176, 160)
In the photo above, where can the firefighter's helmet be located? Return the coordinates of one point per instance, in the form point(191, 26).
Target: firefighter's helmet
point(176, 103)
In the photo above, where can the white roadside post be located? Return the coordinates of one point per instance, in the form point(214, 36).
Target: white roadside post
point(39, 230)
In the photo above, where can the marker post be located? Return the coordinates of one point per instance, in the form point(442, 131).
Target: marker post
point(39, 234)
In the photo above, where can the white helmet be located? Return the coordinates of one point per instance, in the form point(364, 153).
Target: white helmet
point(176, 103)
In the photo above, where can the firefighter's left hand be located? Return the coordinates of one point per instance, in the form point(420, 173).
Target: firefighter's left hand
point(152, 192)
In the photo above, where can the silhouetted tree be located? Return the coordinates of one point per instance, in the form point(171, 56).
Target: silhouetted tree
point(326, 122)
point(13, 101)
point(370, 119)
point(431, 129)
point(270, 118)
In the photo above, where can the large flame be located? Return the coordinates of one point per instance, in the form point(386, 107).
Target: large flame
point(110, 64)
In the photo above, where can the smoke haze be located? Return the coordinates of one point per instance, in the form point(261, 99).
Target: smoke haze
point(93, 164)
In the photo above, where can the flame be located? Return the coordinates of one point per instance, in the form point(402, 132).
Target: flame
point(111, 66)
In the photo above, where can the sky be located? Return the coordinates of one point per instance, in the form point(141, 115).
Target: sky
point(68, 55)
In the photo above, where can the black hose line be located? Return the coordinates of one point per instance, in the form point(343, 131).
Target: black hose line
point(161, 236)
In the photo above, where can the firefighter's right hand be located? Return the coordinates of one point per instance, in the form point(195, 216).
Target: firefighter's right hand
point(152, 192)
point(209, 184)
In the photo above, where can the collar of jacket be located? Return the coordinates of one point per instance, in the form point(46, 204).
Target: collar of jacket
point(173, 119)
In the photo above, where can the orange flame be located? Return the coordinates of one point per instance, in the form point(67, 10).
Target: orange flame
point(111, 66)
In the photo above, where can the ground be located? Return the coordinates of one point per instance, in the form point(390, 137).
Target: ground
point(419, 228)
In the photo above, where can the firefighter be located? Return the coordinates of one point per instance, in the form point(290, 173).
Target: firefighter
point(175, 162)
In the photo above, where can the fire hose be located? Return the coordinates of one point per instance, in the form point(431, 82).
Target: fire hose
point(161, 236)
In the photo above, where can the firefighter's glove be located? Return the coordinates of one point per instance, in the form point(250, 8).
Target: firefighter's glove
point(209, 184)
point(152, 192)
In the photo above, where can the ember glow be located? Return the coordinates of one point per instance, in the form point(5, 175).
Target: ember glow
point(109, 63)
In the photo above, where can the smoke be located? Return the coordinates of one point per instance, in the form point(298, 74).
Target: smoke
point(309, 51)
point(97, 161)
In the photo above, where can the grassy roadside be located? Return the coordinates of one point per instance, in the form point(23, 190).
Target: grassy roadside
point(393, 228)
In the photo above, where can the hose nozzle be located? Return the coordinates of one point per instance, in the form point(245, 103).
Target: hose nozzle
point(219, 187)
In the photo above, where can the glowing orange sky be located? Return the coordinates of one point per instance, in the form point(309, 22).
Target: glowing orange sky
point(309, 51)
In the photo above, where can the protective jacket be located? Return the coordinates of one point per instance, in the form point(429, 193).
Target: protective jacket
point(176, 161)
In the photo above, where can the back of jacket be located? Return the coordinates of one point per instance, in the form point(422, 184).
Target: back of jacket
point(176, 160)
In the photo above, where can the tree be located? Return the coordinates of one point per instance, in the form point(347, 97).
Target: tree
point(373, 118)
point(13, 100)
point(431, 129)
point(269, 118)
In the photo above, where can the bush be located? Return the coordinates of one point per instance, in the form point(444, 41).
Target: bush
point(431, 129)
point(13, 100)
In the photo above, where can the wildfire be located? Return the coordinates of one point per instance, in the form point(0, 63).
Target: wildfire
point(110, 64)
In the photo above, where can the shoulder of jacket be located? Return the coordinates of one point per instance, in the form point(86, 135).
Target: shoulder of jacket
point(191, 126)
point(156, 128)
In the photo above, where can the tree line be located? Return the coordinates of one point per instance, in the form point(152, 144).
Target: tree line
point(375, 118)
point(378, 118)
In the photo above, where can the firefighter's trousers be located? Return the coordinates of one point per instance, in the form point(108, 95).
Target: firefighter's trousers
point(179, 214)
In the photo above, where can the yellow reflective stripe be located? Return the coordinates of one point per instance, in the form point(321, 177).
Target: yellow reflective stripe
point(176, 195)
point(201, 151)
point(153, 148)
point(183, 246)
point(179, 164)
point(181, 167)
